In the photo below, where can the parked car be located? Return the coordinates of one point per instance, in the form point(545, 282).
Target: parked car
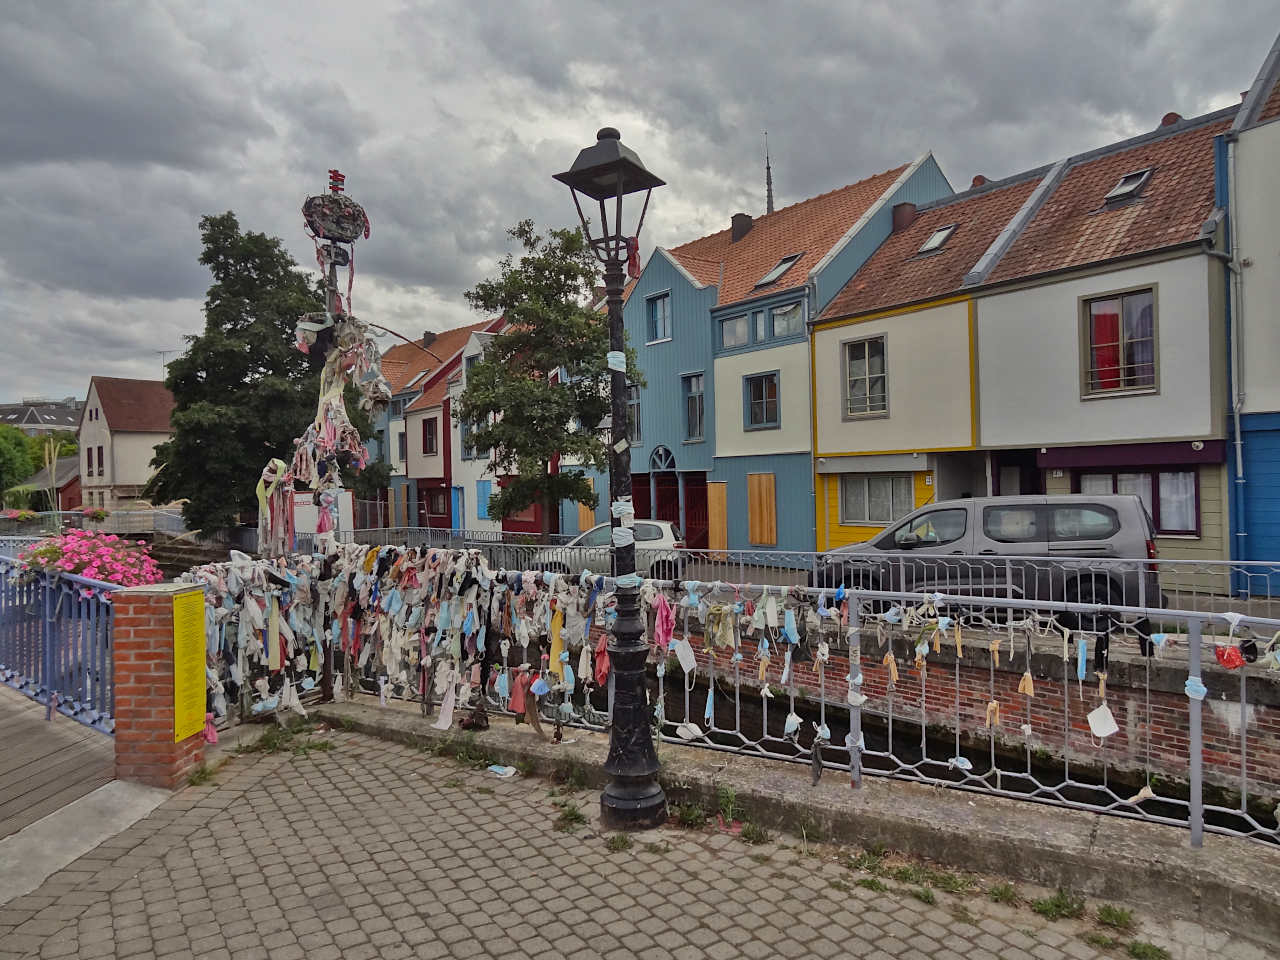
point(658, 551)
point(1090, 549)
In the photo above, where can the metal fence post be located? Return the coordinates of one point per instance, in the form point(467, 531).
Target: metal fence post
point(854, 742)
point(46, 642)
point(1196, 738)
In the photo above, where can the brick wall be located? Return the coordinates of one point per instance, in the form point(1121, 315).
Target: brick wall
point(1154, 735)
point(142, 654)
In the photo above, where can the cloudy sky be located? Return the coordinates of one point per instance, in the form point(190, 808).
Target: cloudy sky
point(122, 123)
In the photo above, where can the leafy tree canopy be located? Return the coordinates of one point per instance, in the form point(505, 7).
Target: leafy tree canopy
point(242, 391)
point(542, 386)
point(67, 445)
point(15, 462)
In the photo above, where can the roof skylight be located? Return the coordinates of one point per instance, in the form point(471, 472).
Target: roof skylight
point(1129, 186)
point(782, 266)
point(937, 238)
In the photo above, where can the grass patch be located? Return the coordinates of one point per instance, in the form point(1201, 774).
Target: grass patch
point(727, 803)
point(1117, 918)
point(306, 746)
point(924, 895)
point(753, 833)
point(868, 860)
point(484, 790)
point(572, 777)
point(1003, 893)
point(200, 775)
point(1061, 905)
point(569, 820)
point(1102, 941)
point(962, 915)
point(453, 782)
point(1141, 950)
point(524, 767)
point(871, 883)
point(346, 723)
point(841, 885)
point(691, 816)
point(951, 882)
point(912, 873)
point(658, 848)
point(761, 858)
point(618, 843)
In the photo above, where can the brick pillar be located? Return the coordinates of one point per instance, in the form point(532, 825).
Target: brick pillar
point(143, 656)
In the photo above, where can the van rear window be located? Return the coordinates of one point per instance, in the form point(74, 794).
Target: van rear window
point(1083, 521)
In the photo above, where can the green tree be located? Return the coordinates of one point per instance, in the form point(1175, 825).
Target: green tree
point(542, 387)
point(242, 390)
point(67, 445)
point(15, 462)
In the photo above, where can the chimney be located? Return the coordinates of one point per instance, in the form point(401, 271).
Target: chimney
point(740, 226)
point(1170, 118)
point(904, 214)
point(978, 181)
point(428, 338)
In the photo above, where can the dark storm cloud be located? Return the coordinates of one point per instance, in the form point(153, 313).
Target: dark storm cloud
point(121, 124)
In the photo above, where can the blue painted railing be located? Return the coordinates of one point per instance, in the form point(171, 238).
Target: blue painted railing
point(55, 642)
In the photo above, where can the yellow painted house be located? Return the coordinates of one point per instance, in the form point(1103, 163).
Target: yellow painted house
point(894, 366)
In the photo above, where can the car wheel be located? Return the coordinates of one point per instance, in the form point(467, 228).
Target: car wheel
point(1092, 590)
point(664, 570)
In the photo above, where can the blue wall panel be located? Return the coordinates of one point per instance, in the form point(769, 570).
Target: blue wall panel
point(663, 364)
point(1262, 485)
point(793, 489)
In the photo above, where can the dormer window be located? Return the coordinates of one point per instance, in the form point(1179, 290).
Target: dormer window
point(1130, 186)
point(938, 238)
point(782, 266)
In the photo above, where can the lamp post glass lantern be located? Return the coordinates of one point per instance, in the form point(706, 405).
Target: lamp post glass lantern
point(605, 173)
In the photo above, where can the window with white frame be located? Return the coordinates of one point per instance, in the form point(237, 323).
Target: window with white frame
point(659, 317)
point(760, 400)
point(1171, 495)
point(633, 414)
point(1120, 342)
point(787, 320)
point(693, 406)
point(875, 498)
point(866, 391)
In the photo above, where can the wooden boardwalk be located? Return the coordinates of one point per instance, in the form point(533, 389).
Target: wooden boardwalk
point(44, 765)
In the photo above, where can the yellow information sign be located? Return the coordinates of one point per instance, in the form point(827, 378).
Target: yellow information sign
point(188, 665)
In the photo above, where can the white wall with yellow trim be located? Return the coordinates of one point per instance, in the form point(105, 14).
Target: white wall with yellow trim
point(928, 362)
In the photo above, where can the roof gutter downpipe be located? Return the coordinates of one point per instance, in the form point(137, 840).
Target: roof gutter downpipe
point(809, 300)
point(1232, 262)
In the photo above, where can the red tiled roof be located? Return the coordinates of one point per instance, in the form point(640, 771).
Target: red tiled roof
point(810, 227)
point(894, 274)
point(432, 396)
point(134, 406)
point(416, 360)
point(1074, 227)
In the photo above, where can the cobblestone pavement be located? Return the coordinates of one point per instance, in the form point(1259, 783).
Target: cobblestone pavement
point(372, 849)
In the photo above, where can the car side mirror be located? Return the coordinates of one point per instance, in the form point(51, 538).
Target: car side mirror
point(909, 542)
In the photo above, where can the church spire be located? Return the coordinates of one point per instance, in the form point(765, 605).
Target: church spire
point(768, 177)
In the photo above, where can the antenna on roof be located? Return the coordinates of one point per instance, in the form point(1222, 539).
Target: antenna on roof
point(768, 177)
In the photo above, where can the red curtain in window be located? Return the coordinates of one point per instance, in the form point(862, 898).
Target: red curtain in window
point(1106, 349)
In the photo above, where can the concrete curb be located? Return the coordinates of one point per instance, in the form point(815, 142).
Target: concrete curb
point(1228, 883)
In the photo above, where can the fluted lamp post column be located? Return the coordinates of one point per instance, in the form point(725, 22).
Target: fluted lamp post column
point(605, 173)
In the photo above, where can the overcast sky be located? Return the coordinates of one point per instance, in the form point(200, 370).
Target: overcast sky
point(122, 123)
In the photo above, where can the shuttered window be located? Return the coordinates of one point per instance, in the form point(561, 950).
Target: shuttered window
point(762, 510)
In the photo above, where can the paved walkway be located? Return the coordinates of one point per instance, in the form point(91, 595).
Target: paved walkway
point(44, 765)
point(371, 849)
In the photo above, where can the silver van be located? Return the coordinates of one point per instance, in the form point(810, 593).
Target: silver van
point(1092, 549)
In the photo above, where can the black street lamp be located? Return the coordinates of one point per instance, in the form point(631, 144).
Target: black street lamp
point(608, 171)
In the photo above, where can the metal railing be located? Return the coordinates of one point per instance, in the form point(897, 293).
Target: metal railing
point(1166, 713)
point(55, 642)
point(135, 522)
